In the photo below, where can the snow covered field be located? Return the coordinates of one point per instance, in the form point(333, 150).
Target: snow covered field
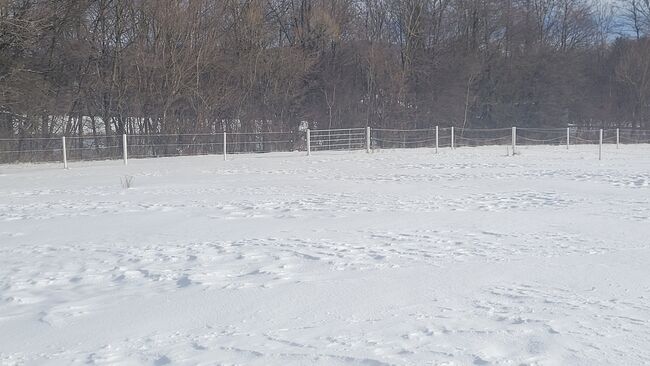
point(392, 258)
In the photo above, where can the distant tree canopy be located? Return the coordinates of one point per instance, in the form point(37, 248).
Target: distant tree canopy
point(172, 66)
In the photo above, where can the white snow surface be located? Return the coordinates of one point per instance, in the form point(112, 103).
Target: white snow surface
point(398, 257)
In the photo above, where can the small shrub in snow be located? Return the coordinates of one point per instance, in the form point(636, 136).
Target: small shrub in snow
point(127, 181)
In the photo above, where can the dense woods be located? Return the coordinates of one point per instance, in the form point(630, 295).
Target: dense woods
point(186, 66)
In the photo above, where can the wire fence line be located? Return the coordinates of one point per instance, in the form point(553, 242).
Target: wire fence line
point(88, 148)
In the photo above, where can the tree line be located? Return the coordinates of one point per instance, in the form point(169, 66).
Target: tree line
point(77, 67)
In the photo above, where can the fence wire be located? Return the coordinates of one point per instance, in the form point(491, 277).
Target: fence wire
point(101, 147)
point(541, 136)
point(482, 137)
point(402, 139)
point(31, 150)
point(94, 148)
point(173, 145)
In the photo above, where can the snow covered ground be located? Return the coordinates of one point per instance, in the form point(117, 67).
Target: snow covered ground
point(393, 258)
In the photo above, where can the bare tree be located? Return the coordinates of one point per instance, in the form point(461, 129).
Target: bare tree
point(108, 67)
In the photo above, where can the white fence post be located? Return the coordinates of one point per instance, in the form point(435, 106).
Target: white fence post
point(225, 147)
point(65, 155)
point(452, 137)
point(436, 139)
point(368, 139)
point(125, 151)
point(514, 140)
point(600, 145)
point(308, 142)
point(618, 138)
point(568, 131)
